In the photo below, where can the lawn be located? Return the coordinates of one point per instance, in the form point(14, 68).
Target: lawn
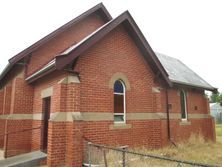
point(219, 130)
point(196, 149)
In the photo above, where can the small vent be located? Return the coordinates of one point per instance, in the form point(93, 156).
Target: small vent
point(169, 106)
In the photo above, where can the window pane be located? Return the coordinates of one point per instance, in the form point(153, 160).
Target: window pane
point(118, 87)
point(118, 104)
point(183, 107)
point(118, 118)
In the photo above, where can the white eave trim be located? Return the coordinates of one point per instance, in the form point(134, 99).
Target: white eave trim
point(45, 68)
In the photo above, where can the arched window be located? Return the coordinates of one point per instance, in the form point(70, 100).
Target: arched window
point(119, 102)
point(183, 104)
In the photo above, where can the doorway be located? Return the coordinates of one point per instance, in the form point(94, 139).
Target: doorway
point(46, 103)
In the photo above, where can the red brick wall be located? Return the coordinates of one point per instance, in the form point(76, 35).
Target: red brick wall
point(2, 131)
point(2, 121)
point(62, 100)
point(198, 99)
point(18, 100)
point(118, 53)
point(73, 35)
point(1, 101)
point(57, 144)
point(56, 101)
point(44, 83)
point(74, 130)
point(194, 98)
point(115, 53)
point(7, 99)
point(18, 143)
point(22, 97)
point(36, 139)
point(65, 99)
point(74, 143)
point(143, 133)
point(202, 126)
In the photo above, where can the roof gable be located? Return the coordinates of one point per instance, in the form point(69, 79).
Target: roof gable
point(75, 51)
point(100, 9)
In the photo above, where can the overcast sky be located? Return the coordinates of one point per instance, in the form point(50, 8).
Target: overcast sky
point(190, 30)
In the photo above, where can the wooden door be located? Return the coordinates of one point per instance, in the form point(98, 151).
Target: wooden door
point(46, 116)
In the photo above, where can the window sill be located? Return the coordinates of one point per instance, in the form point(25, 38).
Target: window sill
point(185, 122)
point(120, 126)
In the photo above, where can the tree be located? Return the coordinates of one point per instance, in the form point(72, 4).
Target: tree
point(216, 98)
point(220, 99)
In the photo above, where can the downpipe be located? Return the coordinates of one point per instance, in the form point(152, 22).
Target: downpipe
point(168, 120)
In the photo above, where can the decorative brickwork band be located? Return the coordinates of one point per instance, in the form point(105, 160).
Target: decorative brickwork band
point(98, 116)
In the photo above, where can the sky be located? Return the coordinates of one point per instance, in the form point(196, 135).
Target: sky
point(190, 30)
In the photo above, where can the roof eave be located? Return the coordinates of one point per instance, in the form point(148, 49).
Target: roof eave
point(194, 86)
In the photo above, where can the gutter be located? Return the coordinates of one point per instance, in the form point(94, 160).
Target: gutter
point(6, 70)
point(45, 70)
point(168, 120)
point(195, 86)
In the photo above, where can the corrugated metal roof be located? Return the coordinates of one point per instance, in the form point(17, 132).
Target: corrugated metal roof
point(179, 73)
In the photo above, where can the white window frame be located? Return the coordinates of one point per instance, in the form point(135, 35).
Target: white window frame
point(124, 103)
point(185, 105)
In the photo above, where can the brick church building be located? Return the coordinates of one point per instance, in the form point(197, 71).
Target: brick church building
point(97, 78)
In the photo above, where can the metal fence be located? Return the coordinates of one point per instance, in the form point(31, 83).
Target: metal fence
point(103, 156)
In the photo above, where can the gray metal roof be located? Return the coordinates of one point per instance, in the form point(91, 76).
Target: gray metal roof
point(181, 74)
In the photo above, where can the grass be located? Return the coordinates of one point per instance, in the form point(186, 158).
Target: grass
point(219, 130)
point(219, 133)
point(196, 149)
